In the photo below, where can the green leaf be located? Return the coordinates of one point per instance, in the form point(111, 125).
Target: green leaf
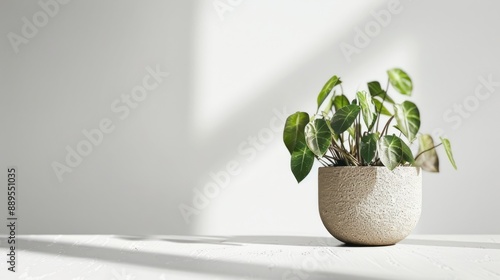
point(390, 150)
point(407, 154)
point(447, 148)
point(352, 131)
point(294, 130)
point(376, 91)
point(302, 161)
point(327, 88)
point(328, 107)
point(408, 119)
point(340, 101)
point(427, 159)
point(367, 109)
point(381, 108)
point(318, 136)
point(400, 81)
point(368, 146)
point(344, 117)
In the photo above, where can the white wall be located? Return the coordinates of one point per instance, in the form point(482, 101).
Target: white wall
point(232, 75)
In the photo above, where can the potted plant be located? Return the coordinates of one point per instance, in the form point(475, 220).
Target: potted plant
point(370, 183)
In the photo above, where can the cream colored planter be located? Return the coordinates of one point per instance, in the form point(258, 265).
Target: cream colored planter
point(370, 205)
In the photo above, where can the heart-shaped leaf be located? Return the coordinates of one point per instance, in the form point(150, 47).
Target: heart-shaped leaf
point(294, 130)
point(327, 88)
point(302, 161)
point(400, 81)
point(376, 91)
point(408, 119)
point(381, 108)
point(390, 151)
point(340, 101)
point(367, 109)
point(407, 154)
point(318, 136)
point(368, 146)
point(344, 117)
point(447, 149)
point(427, 157)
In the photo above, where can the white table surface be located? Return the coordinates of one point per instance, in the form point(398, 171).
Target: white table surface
point(112, 257)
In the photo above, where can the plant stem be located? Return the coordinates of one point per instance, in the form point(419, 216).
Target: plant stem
point(330, 159)
point(382, 104)
point(347, 156)
point(357, 126)
point(387, 86)
point(342, 140)
point(435, 146)
point(331, 149)
point(322, 161)
point(386, 127)
point(335, 154)
point(349, 140)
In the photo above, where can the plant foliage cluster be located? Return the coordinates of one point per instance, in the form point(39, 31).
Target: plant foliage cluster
point(346, 132)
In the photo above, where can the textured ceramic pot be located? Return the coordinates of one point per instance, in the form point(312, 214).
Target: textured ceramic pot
point(370, 205)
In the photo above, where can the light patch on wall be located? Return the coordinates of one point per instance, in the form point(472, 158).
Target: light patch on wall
point(236, 61)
